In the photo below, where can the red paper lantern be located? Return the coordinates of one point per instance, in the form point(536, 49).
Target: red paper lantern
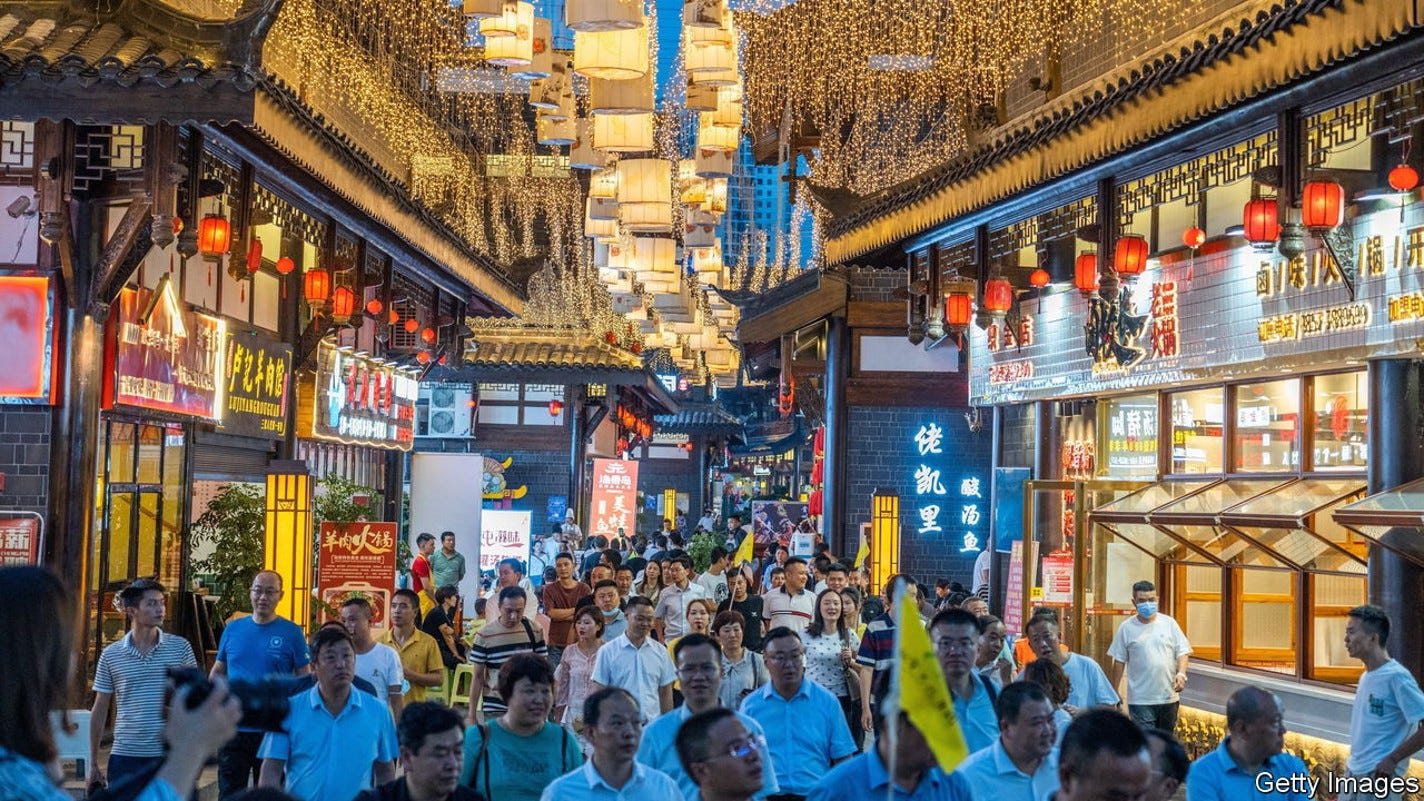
point(1194, 237)
point(317, 286)
point(428, 335)
point(254, 255)
point(423, 357)
point(610, 337)
point(285, 265)
point(556, 408)
point(343, 303)
point(1085, 273)
point(1039, 278)
point(1403, 178)
point(177, 225)
point(214, 235)
point(636, 347)
point(394, 317)
point(1260, 222)
point(998, 296)
point(412, 325)
point(1322, 205)
point(1130, 256)
point(958, 310)
point(374, 306)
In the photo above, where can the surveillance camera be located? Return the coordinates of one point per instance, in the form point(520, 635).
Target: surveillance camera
point(20, 207)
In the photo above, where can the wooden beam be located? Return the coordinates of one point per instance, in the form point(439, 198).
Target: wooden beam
point(115, 264)
point(142, 103)
point(876, 314)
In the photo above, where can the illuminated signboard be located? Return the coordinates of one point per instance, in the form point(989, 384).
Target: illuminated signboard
point(947, 502)
point(1228, 314)
point(614, 502)
point(27, 321)
point(258, 387)
point(358, 400)
point(167, 357)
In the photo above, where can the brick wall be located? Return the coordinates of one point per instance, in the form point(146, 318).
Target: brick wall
point(544, 472)
point(874, 284)
point(881, 451)
point(24, 458)
point(656, 475)
point(1016, 446)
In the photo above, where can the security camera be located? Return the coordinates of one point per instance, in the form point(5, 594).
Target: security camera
point(21, 206)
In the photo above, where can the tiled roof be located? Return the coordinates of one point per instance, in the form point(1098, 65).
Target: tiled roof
point(699, 418)
point(1062, 120)
point(63, 46)
point(518, 352)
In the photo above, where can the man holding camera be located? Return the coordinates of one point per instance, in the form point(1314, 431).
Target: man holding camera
point(333, 739)
point(252, 649)
point(134, 671)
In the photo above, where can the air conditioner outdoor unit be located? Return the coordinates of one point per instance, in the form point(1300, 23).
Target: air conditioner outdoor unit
point(449, 411)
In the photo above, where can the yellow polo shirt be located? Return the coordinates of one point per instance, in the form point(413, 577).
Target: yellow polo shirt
point(420, 654)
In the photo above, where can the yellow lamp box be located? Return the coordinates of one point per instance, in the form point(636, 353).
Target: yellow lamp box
point(287, 539)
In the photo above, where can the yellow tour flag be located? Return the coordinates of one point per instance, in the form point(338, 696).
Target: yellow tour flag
point(924, 695)
point(862, 553)
point(744, 551)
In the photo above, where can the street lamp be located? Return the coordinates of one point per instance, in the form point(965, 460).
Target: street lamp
point(287, 537)
point(884, 536)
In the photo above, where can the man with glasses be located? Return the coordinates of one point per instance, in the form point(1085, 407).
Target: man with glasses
point(804, 724)
point(251, 649)
point(955, 634)
point(430, 738)
point(614, 725)
point(725, 760)
point(699, 668)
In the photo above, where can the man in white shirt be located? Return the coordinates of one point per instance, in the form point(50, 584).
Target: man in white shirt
point(1153, 650)
point(1088, 684)
point(377, 663)
point(1387, 720)
point(791, 605)
point(637, 664)
point(615, 727)
point(714, 578)
point(1021, 763)
point(678, 590)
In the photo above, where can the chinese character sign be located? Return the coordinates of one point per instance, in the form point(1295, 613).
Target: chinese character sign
point(357, 560)
point(504, 534)
point(614, 503)
point(947, 501)
point(19, 540)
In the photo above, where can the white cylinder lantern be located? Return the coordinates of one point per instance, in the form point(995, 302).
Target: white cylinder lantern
point(716, 196)
point(704, 13)
point(633, 96)
point(603, 183)
point(728, 113)
point(511, 49)
point(616, 55)
point(699, 232)
point(602, 208)
point(595, 227)
point(545, 93)
point(713, 163)
point(514, 16)
point(646, 218)
point(603, 15)
point(623, 133)
point(719, 36)
point(480, 9)
point(701, 97)
point(549, 131)
point(654, 255)
point(582, 155)
point(645, 181)
point(542, 49)
point(715, 137)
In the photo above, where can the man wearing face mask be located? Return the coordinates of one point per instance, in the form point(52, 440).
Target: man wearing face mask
point(1153, 650)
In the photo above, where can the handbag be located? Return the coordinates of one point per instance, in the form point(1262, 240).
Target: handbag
point(852, 677)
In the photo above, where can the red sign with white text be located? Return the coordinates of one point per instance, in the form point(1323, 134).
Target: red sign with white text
point(19, 540)
point(614, 504)
point(167, 357)
point(357, 560)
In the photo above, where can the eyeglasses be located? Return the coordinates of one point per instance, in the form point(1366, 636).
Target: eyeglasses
point(785, 659)
point(742, 749)
point(266, 591)
point(946, 646)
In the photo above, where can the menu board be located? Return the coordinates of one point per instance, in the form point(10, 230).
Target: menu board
point(357, 560)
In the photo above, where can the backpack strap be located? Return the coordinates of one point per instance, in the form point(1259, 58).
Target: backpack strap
point(482, 761)
point(989, 688)
point(529, 632)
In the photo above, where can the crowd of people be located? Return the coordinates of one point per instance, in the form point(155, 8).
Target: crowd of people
point(630, 675)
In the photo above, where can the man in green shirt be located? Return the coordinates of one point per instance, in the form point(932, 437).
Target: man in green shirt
point(447, 564)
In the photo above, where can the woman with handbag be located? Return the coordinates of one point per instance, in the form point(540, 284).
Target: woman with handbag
point(831, 645)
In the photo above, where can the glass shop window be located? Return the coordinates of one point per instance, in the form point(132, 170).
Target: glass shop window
point(1264, 622)
point(1198, 607)
point(1197, 422)
point(1267, 436)
point(1341, 412)
point(1128, 432)
point(1332, 596)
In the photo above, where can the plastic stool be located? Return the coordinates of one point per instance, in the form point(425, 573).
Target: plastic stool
point(440, 693)
point(461, 684)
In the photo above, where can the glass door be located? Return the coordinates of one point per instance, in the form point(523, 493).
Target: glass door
point(142, 469)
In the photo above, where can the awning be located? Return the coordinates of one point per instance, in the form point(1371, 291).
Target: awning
point(1281, 523)
point(1393, 519)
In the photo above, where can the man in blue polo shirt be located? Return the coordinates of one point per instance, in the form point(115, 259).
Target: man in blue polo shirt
point(805, 726)
point(1021, 763)
point(699, 668)
point(251, 649)
point(334, 739)
point(955, 634)
point(917, 774)
point(1249, 763)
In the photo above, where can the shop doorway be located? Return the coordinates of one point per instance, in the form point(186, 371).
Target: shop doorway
point(139, 520)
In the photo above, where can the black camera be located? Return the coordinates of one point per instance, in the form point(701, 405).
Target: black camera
point(264, 703)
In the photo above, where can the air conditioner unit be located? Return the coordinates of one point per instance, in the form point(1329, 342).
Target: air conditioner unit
point(448, 413)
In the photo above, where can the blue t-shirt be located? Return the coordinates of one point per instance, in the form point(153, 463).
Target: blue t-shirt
point(255, 651)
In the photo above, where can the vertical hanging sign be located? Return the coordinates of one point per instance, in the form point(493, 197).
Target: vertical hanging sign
point(615, 497)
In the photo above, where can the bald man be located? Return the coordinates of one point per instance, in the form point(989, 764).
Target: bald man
point(1249, 762)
